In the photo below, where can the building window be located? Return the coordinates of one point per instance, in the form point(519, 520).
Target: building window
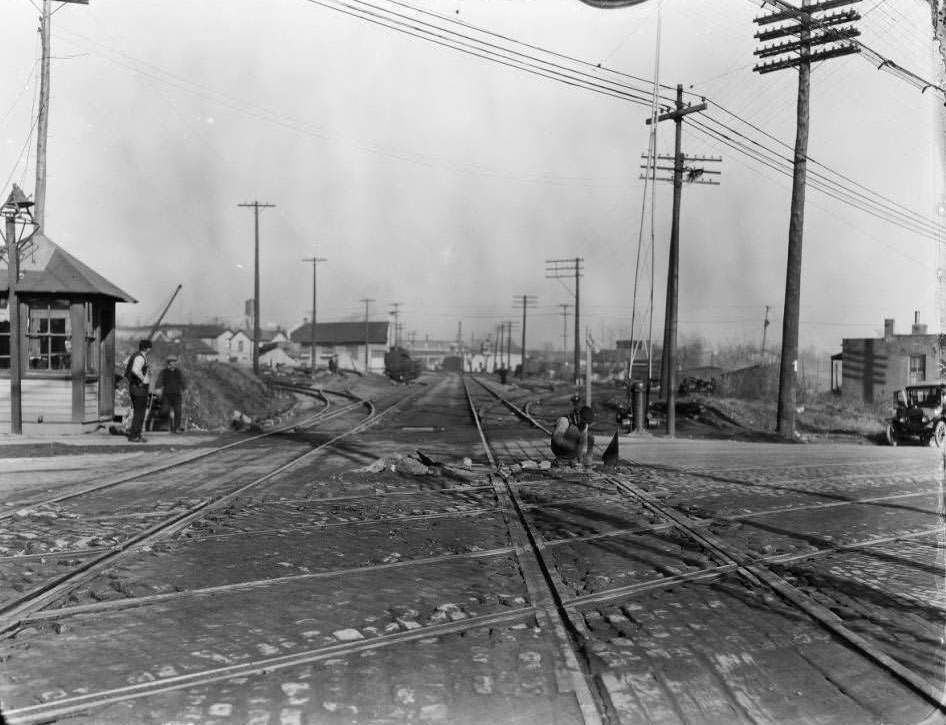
point(4, 335)
point(91, 338)
point(49, 336)
point(917, 368)
point(240, 346)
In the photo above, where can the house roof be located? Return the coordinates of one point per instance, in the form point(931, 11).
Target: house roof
point(48, 268)
point(197, 332)
point(342, 333)
point(199, 347)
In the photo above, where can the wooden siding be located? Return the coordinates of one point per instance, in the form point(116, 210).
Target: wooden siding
point(49, 401)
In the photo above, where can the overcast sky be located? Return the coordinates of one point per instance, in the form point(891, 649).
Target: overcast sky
point(443, 181)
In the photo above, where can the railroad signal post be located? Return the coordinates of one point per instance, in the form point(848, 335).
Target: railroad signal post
point(670, 322)
point(812, 35)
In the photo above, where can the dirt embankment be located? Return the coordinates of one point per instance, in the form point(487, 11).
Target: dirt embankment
point(214, 391)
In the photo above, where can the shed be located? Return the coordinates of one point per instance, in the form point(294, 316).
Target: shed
point(67, 341)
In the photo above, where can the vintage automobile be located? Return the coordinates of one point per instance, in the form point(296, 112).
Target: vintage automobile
point(919, 415)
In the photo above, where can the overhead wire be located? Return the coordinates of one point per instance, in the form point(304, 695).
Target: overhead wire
point(872, 202)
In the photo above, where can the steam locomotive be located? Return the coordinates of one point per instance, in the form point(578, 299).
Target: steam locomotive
point(400, 366)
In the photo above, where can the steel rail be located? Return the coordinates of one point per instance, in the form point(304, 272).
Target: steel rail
point(133, 602)
point(592, 700)
point(756, 572)
point(186, 458)
point(49, 711)
point(10, 614)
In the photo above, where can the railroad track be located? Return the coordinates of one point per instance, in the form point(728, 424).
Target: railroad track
point(757, 571)
point(441, 560)
point(13, 611)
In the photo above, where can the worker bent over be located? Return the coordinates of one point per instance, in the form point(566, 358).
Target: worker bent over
point(572, 441)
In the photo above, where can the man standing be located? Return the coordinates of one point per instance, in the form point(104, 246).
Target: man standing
point(572, 441)
point(170, 387)
point(138, 384)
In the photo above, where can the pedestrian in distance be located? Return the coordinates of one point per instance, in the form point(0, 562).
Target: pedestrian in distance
point(572, 440)
point(170, 387)
point(139, 384)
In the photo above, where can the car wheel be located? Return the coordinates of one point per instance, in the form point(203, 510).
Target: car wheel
point(892, 436)
point(939, 434)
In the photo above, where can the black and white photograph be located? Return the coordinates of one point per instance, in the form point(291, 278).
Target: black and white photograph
point(473, 362)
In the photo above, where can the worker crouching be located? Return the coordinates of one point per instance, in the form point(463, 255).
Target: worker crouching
point(572, 440)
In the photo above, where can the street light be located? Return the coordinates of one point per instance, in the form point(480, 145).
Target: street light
point(15, 211)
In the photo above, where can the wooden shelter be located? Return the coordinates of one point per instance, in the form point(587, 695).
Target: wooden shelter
point(67, 342)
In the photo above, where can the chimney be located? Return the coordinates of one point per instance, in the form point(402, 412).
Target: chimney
point(888, 328)
point(918, 329)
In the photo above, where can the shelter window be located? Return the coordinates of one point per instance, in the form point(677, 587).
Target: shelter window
point(49, 336)
point(4, 335)
point(91, 338)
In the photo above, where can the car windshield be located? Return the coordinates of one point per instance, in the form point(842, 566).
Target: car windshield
point(926, 396)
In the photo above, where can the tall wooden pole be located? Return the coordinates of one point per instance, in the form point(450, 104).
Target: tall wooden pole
point(788, 369)
point(256, 324)
point(42, 120)
point(367, 301)
point(13, 306)
point(315, 262)
point(577, 323)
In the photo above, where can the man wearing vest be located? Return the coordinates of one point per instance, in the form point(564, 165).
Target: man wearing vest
point(139, 383)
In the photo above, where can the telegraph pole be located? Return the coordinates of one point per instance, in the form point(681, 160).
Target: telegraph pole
point(42, 116)
point(315, 263)
point(527, 302)
point(668, 358)
point(367, 301)
point(397, 326)
point(810, 28)
point(256, 332)
point(562, 268)
point(564, 335)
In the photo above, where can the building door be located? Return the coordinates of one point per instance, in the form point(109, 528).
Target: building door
point(917, 369)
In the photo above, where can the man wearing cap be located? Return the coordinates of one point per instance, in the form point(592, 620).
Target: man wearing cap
point(139, 382)
point(170, 387)
point(572, 440)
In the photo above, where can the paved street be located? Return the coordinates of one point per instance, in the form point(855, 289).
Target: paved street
point(363, 585)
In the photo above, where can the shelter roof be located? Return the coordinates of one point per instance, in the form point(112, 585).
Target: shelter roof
point(45, 267)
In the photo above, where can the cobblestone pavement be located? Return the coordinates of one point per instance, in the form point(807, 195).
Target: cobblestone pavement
point(384, 582)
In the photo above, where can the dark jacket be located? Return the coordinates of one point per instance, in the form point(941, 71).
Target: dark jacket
point(171, 382)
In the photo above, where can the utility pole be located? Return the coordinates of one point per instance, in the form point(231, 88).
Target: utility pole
point(765, 329)
point(527, 301)
point(42, 116)
point(367, 301)
point(395, 305)
point(256, 331)
point(557, 269)
point(810, 28)
point(564, 335)
point(315, 263)
point(668, 357)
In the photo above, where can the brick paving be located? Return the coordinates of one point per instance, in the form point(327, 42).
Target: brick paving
point(380, 582)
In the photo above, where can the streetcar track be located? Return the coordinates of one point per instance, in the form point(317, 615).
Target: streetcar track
point(55, 588)
point(70, 705)
point(755, 571)
point(134, 602)
point(558, 616)
point(183, 459)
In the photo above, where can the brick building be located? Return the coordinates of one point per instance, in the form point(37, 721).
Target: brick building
point(873, 369)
